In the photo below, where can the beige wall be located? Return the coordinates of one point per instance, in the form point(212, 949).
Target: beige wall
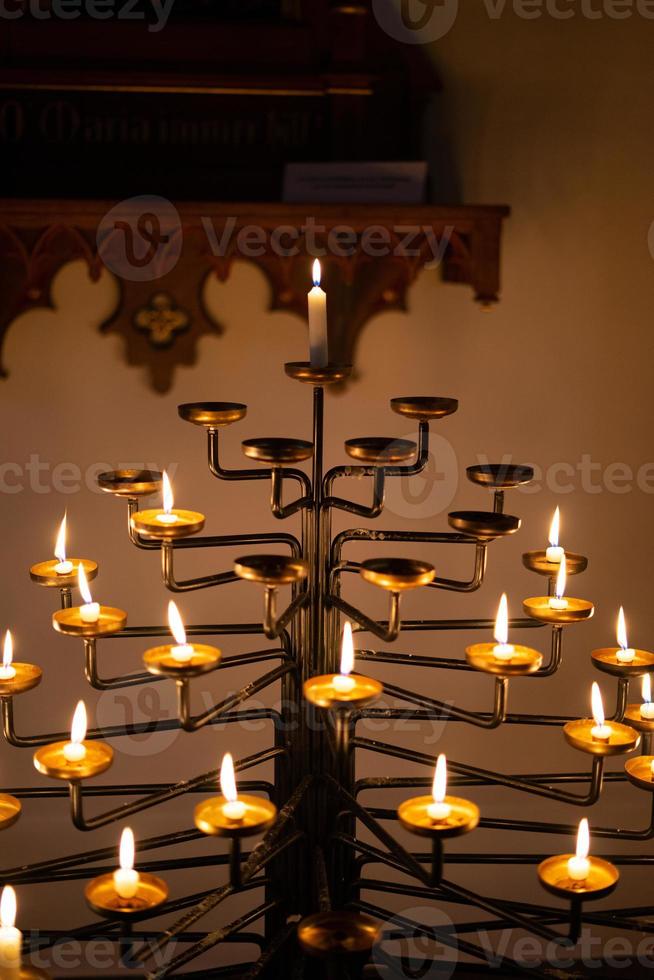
point(551, 117)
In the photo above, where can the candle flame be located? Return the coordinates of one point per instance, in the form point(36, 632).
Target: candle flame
point(439, 786)
point(622, 630)
point(83, 584)
point(646, 689)
point(316, 274)
point(583, 839)
point(554, 528)
point(228, 779)
point(78, 728)
point(126, 851)
point(597, 704)
point(8, 907)
point(60, 545)
point(502, 621)
point(176, 624)
point(8, 650)
point(559, 590)
point(347, 650)
point(168, 499)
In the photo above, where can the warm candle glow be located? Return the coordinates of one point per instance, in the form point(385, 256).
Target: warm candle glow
point(554, 553)
point(318, 332)
point(168, 502)
point(90, 611)
point(126, 879)
point(439, 809)
point(63, 567)
point(183, 652)
point(601, 731)
point(316, 273)
point(624, 654)
point(7, 671)
point(11, 939)
point(75, 750)
point(557, 601)
point(343, 683)
point(234, 809)
point(647, 708)
point(8, 908)
point(579, 865)
point(502, 650)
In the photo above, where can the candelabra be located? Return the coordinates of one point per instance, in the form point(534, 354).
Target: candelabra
point(309, 869)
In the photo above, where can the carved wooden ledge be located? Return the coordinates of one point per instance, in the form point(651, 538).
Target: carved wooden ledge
point(161, 255)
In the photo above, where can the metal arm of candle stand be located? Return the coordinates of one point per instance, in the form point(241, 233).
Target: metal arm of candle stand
point(192, 724)
point(273, 625)
point(494, 720)
point(189, 585)
point(263, 473)
point(378, 474)
point(278, 509)
point(170, 793)
point(447, 584)
point(388, 631)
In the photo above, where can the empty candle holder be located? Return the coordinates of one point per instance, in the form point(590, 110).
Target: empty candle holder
point(380, 451)
point(130, 483)
point(483, 525)
point(424, 408)
point(640, 772)
point(328, 375)
point(102, 897)
point(212, 415)
point(338, 935)
point(10, 810)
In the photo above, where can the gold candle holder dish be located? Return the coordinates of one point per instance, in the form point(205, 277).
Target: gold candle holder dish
point(320, 691)
point(278, 452)
point(536, 561)
point(130, 483)
point(212, 415)
point(414, 816)
point(328, 375)
point(160, 660)
point(51, 761)
point(606, 660)
point(339, 933)
point(424, 408)
point(639, 772)
point(32, 973)
point(576, 610)
point(483, 525)
point(101, 896)
point(633, 716)
point(579, 735)
point(500, 476)
point(26, 677)
point(70, 622)
point(10, 810)
point(271, 570)
point(554, 877)
point(188, 522)
point(209, 817)
point(524, 660)
point(397, 574)
point(43, 573)
point(380, 451)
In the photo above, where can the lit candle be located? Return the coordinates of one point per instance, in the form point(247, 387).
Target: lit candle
point(183, 652)
point(439, 810)
point(625, 655)
point(502, 650)
point(318, 321)
point(651, 768)
point(90, 611)
point(75, 750)
point(555, 553)
point(167, 517)
point(579, 865)
point(557, 601)
point(647, 708)
point(342, 682)
point(234, 809)
point(601, 732)
point(63, 567)
point(7, 671)
point(126, 879)
point(11, 939)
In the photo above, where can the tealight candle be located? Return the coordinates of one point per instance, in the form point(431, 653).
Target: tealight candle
point(439, 810)
point(167, 517)
point(601, 732)
point(126, 879)
point(7, 671)
point(625, 655)
point(342, 682)
point(647, 708)
point(11, 938)
point(75, 750)
point(651, 768)
point(555, 553)
point(63, 567)
point(234, 809)
point(318, 321)
point(558, 601)
point(89, 611)
point(502, 649)
point(579, 865)
point(183, 652)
